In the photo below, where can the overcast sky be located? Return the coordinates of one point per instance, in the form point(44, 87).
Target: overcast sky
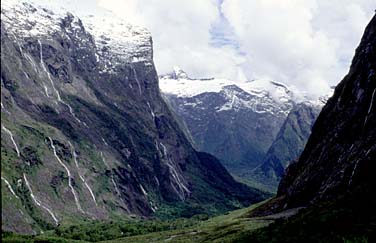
point(308, 44)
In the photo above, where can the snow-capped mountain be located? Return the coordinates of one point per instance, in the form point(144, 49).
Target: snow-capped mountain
point(260, 96)
point(85, 131)
point(235, 121)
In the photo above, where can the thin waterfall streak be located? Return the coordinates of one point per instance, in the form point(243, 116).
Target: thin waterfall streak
point(369, 108)
point(80, 175)
point(151, 111)
point(113, 180)
point(69, 176)
point(39, 203)
point(48, 73)
point(11, 138)
point(9, 187)
point(138, 82)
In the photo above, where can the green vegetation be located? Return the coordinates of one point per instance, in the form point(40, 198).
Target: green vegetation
point(330, 222)
point(224, 228)
point(8, 237)
point(253, 182)
point(98, 231)
point(196, 228)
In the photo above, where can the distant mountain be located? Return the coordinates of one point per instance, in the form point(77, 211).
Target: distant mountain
point(85, 132)
point(287, 146)
point(239, 122)
point(235, 122)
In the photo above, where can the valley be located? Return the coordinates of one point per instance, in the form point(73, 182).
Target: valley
point(97, 146)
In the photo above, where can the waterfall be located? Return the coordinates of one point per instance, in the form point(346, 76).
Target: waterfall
point(70, 179)
point(48, 73)
point(11, 138)
point(151, 111)
point(81, 176)
point(113, 181)
point(9, 186)
point(174, 174)
point(54, 88)
point(353, 172)
point(138, 82)
point(143, 190)
point(370, 107)
point(37, 202)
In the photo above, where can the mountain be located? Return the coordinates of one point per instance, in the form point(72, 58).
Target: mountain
point(287, 146)
point(337, 164)
point(255, 128)
point(236, 122)
point(85, 131)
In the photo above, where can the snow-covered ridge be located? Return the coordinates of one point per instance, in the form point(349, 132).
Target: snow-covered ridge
point(183, 86)
point(261, 96)
point(116, 40)
point(114, 36)
point(27, 20)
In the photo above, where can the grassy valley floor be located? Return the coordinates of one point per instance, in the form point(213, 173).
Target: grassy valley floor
point(332, 222)
point(196, 229)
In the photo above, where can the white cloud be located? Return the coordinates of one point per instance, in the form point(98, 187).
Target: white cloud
point(305, 43)
point(308, 44)
point(181, 34)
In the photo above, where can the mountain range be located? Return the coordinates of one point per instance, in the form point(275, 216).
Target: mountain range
point(255, 128)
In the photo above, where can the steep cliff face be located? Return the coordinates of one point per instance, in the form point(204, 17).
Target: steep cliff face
point(85, 132)
point(287, 146)
point(338, 160)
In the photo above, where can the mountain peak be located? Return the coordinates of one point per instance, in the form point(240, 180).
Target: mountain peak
point(180, 73)
point(176, 74)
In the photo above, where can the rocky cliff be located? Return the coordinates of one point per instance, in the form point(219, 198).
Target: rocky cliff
point(85, 131)
point(338, 160)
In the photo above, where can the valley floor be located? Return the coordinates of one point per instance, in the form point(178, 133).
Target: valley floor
point(329, 222)
point(224, 228)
